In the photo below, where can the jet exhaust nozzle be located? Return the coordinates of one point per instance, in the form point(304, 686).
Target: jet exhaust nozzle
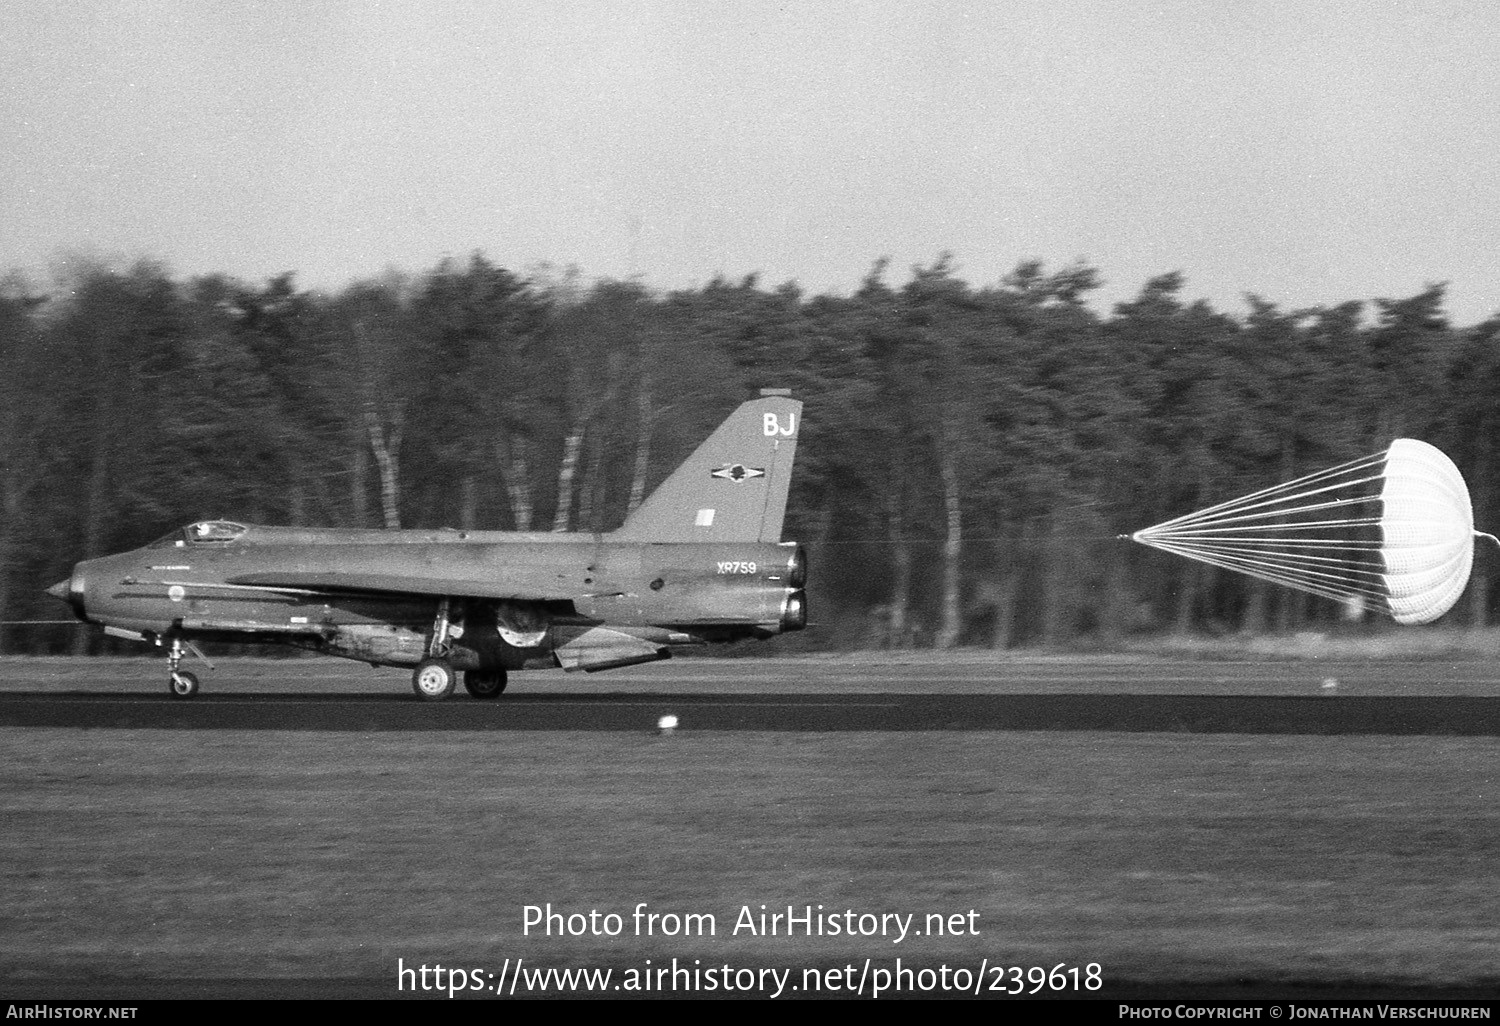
point(794, 611)
point(797, 577)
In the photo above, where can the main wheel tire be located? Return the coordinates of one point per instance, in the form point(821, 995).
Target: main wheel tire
point(433, 679)
point(182, 684)
point(484, 683)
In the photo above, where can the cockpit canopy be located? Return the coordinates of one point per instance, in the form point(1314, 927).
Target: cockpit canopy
point(204, 532)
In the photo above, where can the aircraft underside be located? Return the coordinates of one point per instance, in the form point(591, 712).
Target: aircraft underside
point(485, 641)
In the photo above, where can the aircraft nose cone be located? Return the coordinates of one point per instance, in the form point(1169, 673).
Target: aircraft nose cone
point(71, 592)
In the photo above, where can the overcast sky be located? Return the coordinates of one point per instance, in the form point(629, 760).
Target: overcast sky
point(1309, 152)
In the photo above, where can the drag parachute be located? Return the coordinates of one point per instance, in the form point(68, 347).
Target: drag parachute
point(1393, 531)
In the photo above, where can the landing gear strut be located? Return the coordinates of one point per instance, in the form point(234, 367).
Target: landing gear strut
point(434, 678)
point(180, 683)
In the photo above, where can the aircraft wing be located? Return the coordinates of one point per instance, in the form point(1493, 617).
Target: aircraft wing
point(535, 589)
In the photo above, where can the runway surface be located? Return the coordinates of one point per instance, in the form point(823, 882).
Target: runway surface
point(801, 695)
point(1217, 829)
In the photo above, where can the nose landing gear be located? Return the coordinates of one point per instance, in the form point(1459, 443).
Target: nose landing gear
point(183, 684)
point(180, 683)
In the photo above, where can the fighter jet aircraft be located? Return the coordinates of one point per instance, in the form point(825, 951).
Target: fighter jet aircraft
point(701, 560)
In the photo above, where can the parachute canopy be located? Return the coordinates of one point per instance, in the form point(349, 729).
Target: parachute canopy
point(1393, 530)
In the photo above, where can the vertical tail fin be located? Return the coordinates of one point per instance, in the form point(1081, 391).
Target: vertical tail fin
point(733, 487)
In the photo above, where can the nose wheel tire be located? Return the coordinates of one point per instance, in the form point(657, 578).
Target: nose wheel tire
point(182, 684)
point(433, 679)
point(484, 683)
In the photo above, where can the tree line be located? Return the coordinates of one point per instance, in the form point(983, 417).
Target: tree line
point(969, 453)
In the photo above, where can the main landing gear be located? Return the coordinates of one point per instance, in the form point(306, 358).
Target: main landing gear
point(484, 683)
point(434, 677)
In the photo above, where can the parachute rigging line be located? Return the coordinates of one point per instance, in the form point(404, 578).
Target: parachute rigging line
point(1393, 531)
